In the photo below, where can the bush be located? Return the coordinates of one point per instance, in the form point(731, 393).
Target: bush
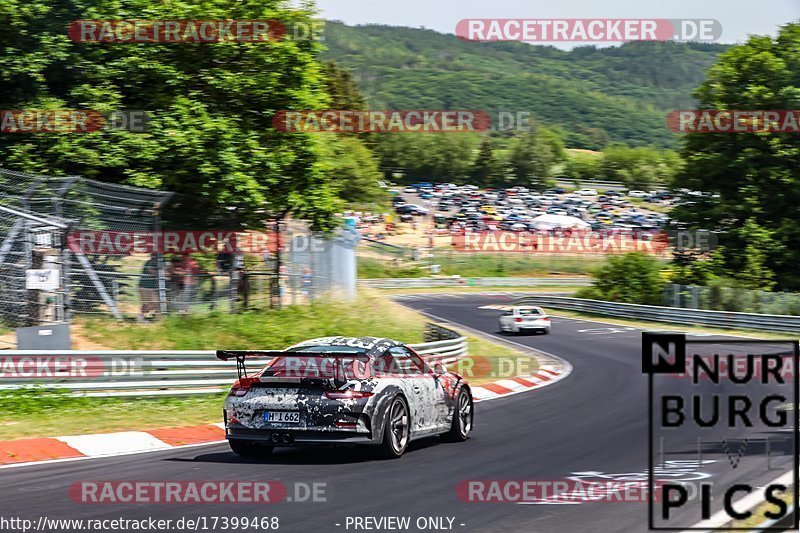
point(630, 278)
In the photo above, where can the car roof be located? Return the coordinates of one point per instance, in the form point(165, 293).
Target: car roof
point(372, 345)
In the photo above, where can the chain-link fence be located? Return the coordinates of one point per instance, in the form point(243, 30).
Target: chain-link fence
point(111, 255)
point(31, 265)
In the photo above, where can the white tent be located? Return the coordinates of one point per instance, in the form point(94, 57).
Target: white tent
point(546, 222)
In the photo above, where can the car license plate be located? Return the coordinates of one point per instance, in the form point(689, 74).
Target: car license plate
point(282, 417)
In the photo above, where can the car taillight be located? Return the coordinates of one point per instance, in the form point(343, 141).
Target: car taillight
point(518, 320)
point(547, 318)
point(348, 394)
point(241, 386)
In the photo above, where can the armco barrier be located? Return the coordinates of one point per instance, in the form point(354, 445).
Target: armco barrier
point(674, 315)
point(164, 373)
point(427, 283)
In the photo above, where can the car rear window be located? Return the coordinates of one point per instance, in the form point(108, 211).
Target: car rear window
point(340, 366)
point(529, 312)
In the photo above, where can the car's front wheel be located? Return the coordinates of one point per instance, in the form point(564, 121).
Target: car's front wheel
point(249, 449)
point(396, 430)
point(462, 417)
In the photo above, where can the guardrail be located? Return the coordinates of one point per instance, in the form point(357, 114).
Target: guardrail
point(427, 283)
point(121, 373)
point(673, 315)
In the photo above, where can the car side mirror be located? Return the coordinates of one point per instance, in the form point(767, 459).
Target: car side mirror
point(439, 370)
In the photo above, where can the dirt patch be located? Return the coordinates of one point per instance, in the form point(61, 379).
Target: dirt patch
point(81, 341)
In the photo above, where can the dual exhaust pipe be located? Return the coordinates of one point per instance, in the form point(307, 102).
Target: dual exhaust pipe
point(282, 438)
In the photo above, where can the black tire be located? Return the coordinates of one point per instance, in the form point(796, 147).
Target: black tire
point(463, 417)
point(248, 449)
point(396, 429)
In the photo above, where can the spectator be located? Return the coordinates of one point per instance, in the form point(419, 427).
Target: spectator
point(189, 272)
point(148, 288)
point(175, 278)
point(224, 261)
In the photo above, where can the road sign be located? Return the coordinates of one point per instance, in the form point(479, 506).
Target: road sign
point(43, 279)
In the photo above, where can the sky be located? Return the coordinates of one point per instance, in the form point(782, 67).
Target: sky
point(738, 18)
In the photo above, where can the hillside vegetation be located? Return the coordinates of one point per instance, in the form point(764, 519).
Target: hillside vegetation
point(597, 95)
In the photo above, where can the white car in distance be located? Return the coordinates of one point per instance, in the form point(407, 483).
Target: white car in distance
point(523, 318)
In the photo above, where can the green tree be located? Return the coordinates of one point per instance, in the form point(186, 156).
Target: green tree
point(348, 158)
point(530, 160)
point(754, 177)
point(210, 135)
point(452, 155)
point(353, 169)
point(485, 171)
point(631, 278)
point(755, 274)
point(580, 167)
point(635, 167)
point(342, 88)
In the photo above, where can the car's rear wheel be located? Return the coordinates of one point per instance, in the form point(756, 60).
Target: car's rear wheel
point(249, 449)
point(462, 418)
point(397, 429)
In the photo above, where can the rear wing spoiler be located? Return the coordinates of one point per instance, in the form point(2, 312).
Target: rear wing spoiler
point(227, 355)
point(241, 355)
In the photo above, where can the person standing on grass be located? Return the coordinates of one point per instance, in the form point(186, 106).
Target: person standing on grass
point(148, 288)
point(189, 271)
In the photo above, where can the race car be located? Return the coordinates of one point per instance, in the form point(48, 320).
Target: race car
point(343, 390)
point(521, 318)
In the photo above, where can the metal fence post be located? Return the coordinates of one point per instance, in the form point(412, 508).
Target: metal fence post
point(233, 289)
point(66, 281)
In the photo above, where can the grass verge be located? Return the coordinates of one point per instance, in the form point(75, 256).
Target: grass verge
point(466, 289)
point(370, 314)
point(490, 361)
point(52, 413)
point(477, 265)
point(758, 517)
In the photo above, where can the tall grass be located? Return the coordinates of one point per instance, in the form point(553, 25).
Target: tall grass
point(476, 265)
point(370, 314)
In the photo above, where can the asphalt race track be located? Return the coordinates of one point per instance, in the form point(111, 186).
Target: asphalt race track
point(593, 421)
